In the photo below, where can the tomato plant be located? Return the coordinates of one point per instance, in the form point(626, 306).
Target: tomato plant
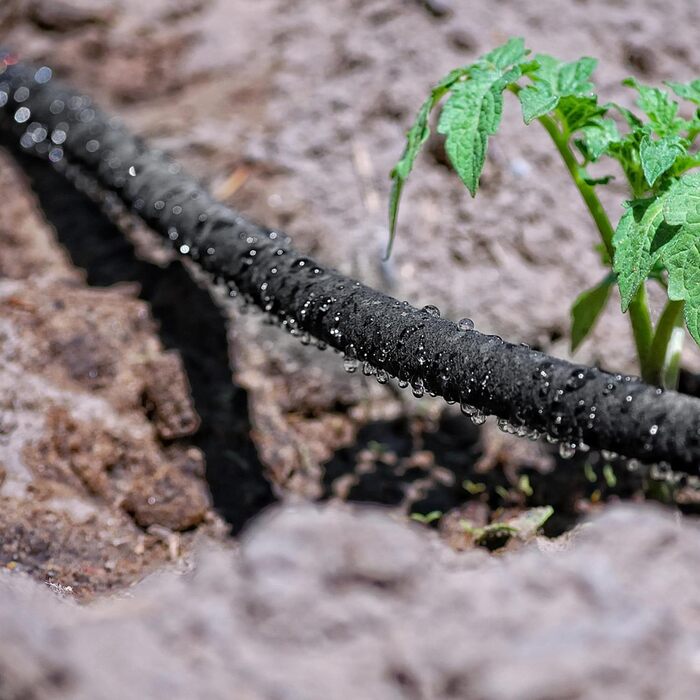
point(657, 238)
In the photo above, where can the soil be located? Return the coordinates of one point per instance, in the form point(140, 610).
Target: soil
point(325, 604)
point(100, 483)
point(143, 416)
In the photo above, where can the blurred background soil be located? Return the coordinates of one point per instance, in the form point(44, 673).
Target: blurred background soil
point(142, 414)
point(326, 604)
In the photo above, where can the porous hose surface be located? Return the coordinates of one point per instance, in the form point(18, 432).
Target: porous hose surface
point(533, 392)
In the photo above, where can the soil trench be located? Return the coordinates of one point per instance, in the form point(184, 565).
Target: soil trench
point(189, 321)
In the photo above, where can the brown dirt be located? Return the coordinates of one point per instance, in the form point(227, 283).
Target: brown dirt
point(294, 111)
point(97, 485)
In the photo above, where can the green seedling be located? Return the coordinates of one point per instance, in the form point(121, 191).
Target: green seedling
point(473, 487)
point(657, 237)
point(427, 518)
point(524, 485)
point(609, 476)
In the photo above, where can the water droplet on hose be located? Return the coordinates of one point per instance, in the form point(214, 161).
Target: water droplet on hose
point(567, 450)
point(465, 324)
point(22, 115)
point(578, 378)
point(57, 106)
point(468, 409)
point(21, 94)
point(479, 418)
point(350, 364)
point(504, 426)
point(432, 310)
point(43, 75)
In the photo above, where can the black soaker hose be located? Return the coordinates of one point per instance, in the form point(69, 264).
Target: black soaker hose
point(531, 392)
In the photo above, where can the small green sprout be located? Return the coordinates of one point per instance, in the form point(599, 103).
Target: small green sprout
point(524, 485)
point(657, 237)
point(589, 473)
point(503, 492)
point(609, 476)
point(473, 487)
point(427, 518)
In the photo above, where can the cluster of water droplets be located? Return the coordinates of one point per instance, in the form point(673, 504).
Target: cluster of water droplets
point(34, 133)
point(569, 434)
point(50, 135)
point(352, 362)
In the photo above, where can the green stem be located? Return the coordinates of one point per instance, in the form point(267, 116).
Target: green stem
point(663, 363)
point(642, 330)
point(561, 141)
point(639, 308)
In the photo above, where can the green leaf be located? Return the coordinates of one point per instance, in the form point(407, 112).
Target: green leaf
point(472, 114)
point(626, 152)
point(658, 156)
point(659, 107)
point(682, 260)
point(587, 308)
point(427, 518)
point(681, 255)
point(417, 135)
point(536, 101)
point(552, 81)
point(688, 91)
point(683, 163)
point(496, 61)
point(415, 138)
point(528, 522)
point(598, 135)
point(576, 112)
point(682, 203)
point(638, 241)
point(510, 53)
point(524, 526)
point(633, 121)
point(598, 180)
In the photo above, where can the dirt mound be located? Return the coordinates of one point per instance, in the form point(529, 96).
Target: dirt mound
point(326, 603)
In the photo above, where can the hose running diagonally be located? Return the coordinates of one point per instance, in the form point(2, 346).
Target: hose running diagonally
point(529, 390)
